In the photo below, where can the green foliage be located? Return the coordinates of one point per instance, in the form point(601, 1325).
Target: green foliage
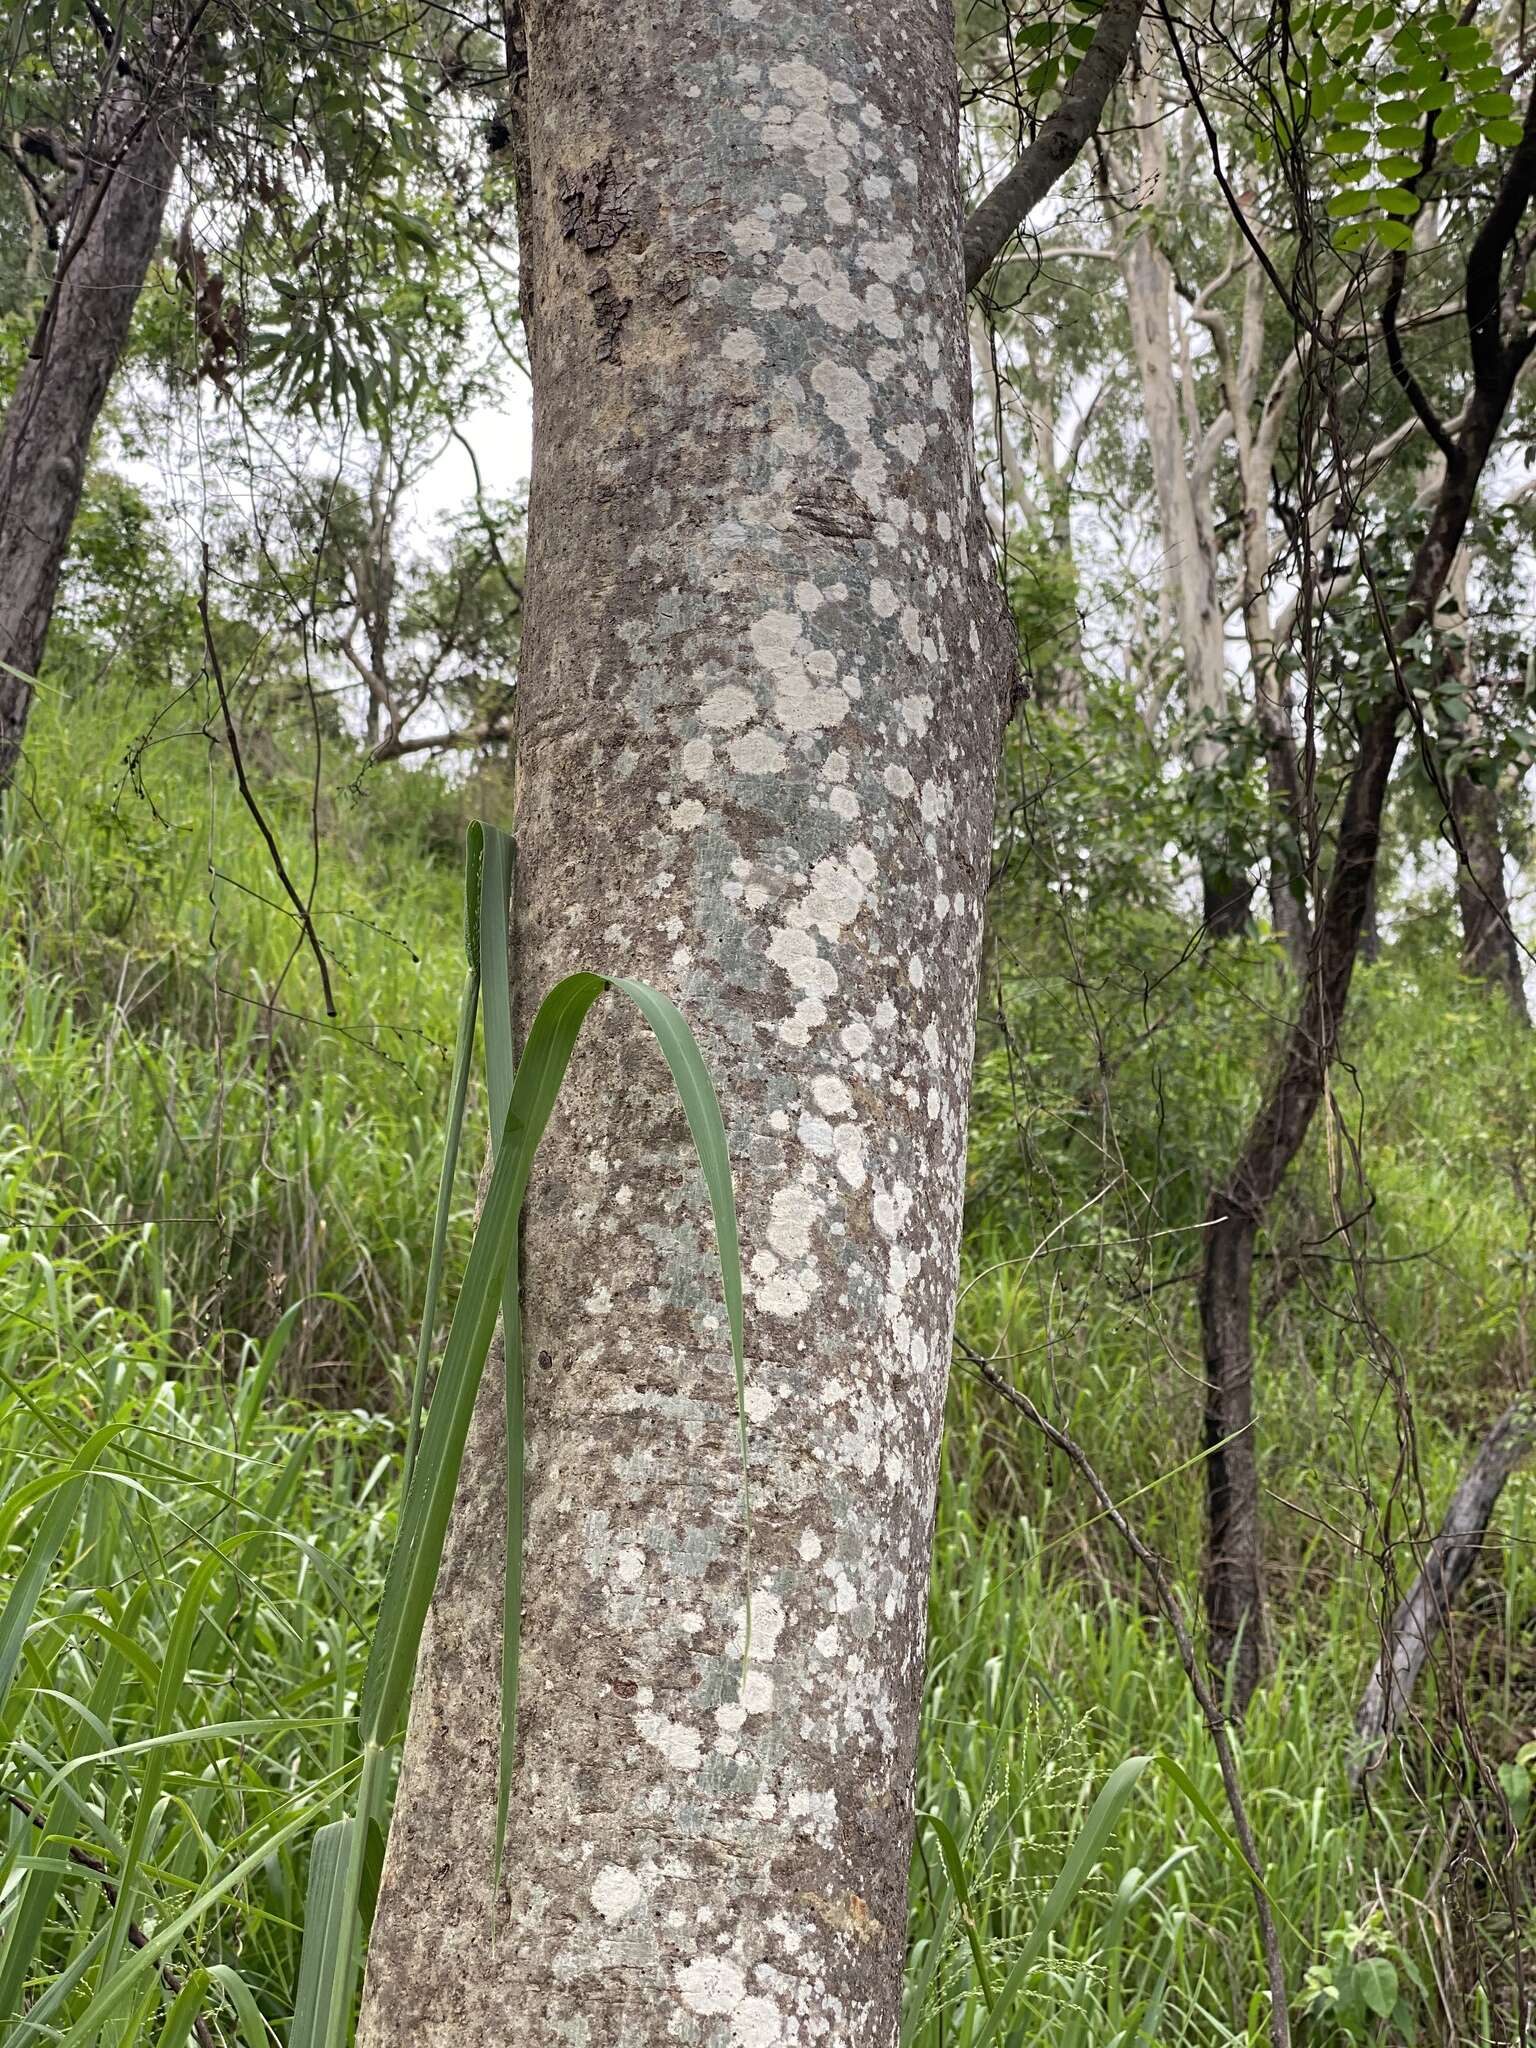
point(176, 1719)
point(1385, 85)
point(216, 1493)
point(1365, 1988)
point(322, 249)
point(1515, 1781)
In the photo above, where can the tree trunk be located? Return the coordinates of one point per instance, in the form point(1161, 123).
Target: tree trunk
point(1184, 509)
point(1255, 459)
point(1425, 1609)
point(113, 231)
point(1488, 948)
point(762, 684)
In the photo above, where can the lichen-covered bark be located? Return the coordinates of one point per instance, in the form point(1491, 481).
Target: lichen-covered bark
point(1425, 1609)
point(114, 227)
point(762, 682)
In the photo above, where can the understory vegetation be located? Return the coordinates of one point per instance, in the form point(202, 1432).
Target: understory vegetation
point(213, 1218)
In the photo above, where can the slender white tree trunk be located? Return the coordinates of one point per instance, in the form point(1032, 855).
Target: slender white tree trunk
point(761, 690)
point(1184, 508)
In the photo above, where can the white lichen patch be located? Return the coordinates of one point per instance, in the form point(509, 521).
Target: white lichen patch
point(803, 700)
point(674, 1740)
point(742, 346)
point(711, 1986)
point(756, 752)
point(616, 1892)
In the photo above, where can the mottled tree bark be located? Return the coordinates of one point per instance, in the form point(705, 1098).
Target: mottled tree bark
point(112, 233)
point(762, 683)
point(1488, 948)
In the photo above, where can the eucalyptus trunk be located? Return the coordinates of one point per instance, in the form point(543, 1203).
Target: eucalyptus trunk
point(762, 683)
point(1490, 951)
point(112, 233)
point(1185, 510)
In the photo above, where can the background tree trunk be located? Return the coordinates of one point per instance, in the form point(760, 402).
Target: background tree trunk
point(1183, 502)
point(1234, 1578)
point(762, 684)
point(1425, 1608)
point(113, 231)
point(1488, 948)
point(1234, 1582)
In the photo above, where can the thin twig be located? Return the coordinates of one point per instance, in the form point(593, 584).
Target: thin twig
point(301, 908)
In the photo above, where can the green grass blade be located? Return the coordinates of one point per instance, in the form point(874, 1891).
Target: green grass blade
point(254, 2032)
point(701, 1106)
point(44, 1551)
point(328, 1940)
point(29, 1916)
point(173, 1672)
point(424, 1518)
point(1176, 1773)
point(462, 1052)
point(954, 1866)
point(37, 2027)
point(496, 973)
point(254, 1389)
point(500, 1072)
point(1087, 1847)
point(185, 2007)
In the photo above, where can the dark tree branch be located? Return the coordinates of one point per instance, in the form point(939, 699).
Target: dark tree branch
point(395, 745)
point(1059, 141)
point(1238, 212)
point(1492, 359)
point(1397, 362)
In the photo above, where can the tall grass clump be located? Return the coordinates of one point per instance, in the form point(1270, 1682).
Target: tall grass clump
point(191, 1563)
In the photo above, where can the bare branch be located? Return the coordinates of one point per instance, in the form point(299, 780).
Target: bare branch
point(1057, 145)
